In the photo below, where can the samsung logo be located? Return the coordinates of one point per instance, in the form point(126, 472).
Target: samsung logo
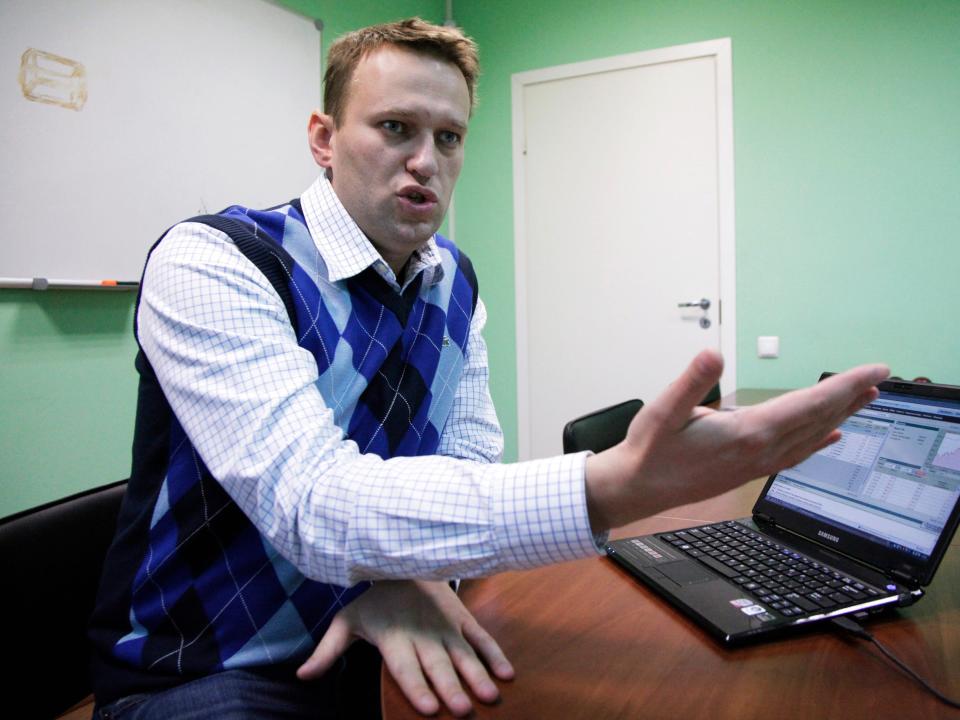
point(828, 536)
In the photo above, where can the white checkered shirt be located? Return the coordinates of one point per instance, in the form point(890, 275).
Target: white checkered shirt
point(221, 343)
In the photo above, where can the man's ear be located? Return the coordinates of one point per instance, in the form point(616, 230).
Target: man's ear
point(320, 131)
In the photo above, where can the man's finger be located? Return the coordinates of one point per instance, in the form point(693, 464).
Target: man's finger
point(401, 660)
point(488, 649)
point(470, 668)
point(435, 661)
point(800, 454)
point(861, 377)
point(685, 393)
point(814, 423)
point(825, 404)
point(806, 441)
point(863, 399)
point(830, 418)
point(331, 646)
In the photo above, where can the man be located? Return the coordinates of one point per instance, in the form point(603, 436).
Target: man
point(314, 414)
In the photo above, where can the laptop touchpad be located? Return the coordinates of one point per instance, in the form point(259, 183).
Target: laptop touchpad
point(686, 573)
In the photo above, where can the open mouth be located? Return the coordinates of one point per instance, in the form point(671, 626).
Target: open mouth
point(418, 195)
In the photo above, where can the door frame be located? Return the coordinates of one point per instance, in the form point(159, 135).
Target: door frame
point(719, 49)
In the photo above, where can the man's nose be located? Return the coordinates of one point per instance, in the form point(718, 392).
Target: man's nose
point(422, 162)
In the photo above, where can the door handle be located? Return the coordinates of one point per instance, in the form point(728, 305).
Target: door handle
point(703, 304)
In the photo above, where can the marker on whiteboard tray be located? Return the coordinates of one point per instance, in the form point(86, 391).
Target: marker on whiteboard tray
point(39, 283)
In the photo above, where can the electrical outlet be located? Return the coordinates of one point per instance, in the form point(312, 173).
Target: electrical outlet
point(768, 346)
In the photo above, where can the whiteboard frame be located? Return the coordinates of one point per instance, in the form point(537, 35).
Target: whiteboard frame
point(28, 265)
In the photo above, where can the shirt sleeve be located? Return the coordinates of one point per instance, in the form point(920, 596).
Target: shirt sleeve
point(227, 358)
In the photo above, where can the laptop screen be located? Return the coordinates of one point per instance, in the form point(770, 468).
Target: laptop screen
point(893, 479)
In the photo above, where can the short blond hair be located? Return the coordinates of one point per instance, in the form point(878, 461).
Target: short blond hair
point(446, 43)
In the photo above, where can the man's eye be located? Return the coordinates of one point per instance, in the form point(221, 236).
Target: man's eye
point(393, 126)
point(449, 138)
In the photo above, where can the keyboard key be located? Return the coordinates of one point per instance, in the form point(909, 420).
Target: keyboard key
point(852, 592)
point(724, 570)
point(800, 601)
point(821, 600)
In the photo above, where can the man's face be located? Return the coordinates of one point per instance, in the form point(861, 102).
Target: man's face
point(397, 153)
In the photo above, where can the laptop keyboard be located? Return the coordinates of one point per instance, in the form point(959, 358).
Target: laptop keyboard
point(784, 580)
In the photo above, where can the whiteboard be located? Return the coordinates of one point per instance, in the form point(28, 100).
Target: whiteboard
point(190, 106)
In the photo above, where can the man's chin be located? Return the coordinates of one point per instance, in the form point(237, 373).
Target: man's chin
point(406, 238)
point(417, 234)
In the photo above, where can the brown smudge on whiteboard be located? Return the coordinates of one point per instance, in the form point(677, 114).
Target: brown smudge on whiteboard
point(52, 79)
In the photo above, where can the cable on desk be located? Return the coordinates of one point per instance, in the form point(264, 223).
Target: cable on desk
point(854, 628)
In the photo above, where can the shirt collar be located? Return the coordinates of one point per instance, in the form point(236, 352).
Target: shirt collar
point(346, 251)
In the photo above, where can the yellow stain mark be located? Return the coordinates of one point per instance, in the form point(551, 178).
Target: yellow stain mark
point(52, 79)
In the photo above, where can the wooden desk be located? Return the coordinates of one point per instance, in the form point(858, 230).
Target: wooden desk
point(589, 642)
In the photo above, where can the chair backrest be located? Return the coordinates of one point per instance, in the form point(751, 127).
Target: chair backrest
point(713, 396)
point(600, 429)
point(51, 558)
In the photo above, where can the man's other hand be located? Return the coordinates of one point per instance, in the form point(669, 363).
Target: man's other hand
point(423, 632)
point(676, 452)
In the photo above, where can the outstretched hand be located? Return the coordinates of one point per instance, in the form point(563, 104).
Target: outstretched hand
point(419, 627)
point(676, 452)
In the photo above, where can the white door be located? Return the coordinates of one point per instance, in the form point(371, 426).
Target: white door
point(623, 181)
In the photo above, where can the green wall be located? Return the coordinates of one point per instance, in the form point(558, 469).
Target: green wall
point(847, 151)
point(341, 16)
point(67, 393)
point(847, 172)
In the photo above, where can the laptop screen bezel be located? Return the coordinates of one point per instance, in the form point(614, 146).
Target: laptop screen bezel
point(912, 570)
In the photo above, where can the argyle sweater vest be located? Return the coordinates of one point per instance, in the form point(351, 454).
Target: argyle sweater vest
point(190, 587)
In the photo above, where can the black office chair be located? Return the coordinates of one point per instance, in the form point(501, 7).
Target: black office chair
point(713, 396)
point(600, 429)
point(604, 428)
point(50, 562)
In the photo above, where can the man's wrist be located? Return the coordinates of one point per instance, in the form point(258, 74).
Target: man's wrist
point(600, 495)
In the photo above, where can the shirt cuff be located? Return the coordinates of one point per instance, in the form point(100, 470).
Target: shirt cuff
point(542, 509)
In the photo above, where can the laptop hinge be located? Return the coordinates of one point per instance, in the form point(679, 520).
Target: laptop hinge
point(764, 518)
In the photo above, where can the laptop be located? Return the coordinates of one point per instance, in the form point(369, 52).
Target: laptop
point(856, 528)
